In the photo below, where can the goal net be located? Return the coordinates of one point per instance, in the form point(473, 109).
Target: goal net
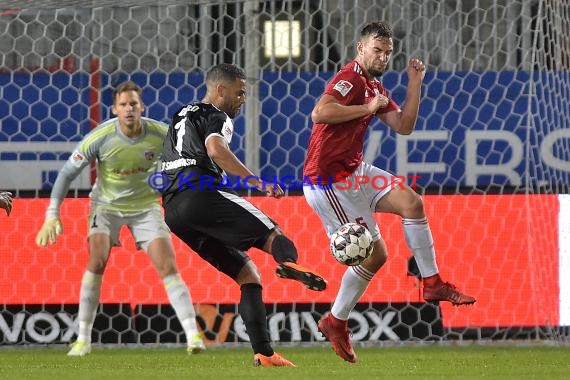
point(491, 154)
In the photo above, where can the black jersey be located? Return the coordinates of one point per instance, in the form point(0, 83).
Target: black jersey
point(185, 158)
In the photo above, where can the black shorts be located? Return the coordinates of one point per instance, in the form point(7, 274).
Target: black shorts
point(218, 225)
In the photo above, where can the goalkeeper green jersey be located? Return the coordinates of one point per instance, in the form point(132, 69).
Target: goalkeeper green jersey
point(123, 166)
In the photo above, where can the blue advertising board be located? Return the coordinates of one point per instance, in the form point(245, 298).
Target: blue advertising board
point(504, 128)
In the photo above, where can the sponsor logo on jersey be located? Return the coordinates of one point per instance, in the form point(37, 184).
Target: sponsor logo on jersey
point(228, 130)
point(179, 163)
point(77, 158)
point(343, 87)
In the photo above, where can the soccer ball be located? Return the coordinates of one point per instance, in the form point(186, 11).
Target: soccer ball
point(351, 244)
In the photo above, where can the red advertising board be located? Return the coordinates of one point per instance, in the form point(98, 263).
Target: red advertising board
point(503, 249)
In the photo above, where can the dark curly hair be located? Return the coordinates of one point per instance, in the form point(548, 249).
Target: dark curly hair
point(225, 72)
point(377, 29)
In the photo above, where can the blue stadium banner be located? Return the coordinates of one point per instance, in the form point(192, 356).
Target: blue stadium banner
point(475, 129)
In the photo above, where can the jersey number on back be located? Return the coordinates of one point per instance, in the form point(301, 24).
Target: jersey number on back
point(181, 126)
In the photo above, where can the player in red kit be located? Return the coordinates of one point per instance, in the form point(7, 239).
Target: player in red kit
point(335, 157)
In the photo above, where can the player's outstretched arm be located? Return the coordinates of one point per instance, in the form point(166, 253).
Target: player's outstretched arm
point(52, 224)
point(219, 151)
point(6, 201)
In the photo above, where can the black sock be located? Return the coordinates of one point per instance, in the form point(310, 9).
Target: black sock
point(283, 249)
point(253, 314)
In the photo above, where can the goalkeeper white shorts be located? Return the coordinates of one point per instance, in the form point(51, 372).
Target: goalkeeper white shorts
point(351, 200)
point(145, 226)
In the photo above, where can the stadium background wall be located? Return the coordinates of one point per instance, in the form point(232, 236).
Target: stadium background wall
point(491, 147)
point(459, 144)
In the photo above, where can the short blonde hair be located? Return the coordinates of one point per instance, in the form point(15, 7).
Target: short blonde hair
point(126, 86)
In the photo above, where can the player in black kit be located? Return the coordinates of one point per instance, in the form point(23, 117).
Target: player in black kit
point(213, 219)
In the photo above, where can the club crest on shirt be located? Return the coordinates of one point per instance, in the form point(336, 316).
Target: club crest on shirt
point(149, 155)
point(228, 130)
point(343, 87)
point(77, 158)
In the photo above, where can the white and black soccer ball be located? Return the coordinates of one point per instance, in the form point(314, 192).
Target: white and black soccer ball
point(351, 244)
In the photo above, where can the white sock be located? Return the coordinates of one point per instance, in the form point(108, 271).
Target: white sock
point(419, 239)
point(190, 327)
point(88, 302)
point(353, 284)
point(181, 302)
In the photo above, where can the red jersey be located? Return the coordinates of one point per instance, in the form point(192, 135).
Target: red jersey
point(338, 148)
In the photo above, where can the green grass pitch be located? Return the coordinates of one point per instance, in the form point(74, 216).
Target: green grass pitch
point(314, 363)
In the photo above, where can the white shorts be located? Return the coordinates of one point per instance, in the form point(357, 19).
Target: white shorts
point(145, 226)
point(351, 200)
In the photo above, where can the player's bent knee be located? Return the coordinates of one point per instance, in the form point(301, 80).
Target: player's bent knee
point(165, 265)
point(283, 249)
point(378, 257)
point(166, 271)
point(247, 279)
point(376, 260)
point(249, 274)
point(418, 210)
point(97, 264)
point(413, 207)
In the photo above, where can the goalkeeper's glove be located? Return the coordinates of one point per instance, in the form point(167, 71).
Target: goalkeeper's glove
point(52, 227)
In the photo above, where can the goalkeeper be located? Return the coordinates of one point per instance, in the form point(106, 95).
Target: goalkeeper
point(127, 149)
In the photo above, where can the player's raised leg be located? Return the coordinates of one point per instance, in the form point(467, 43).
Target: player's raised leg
point(285, 253)
point(306, 276)
point(408, 204)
